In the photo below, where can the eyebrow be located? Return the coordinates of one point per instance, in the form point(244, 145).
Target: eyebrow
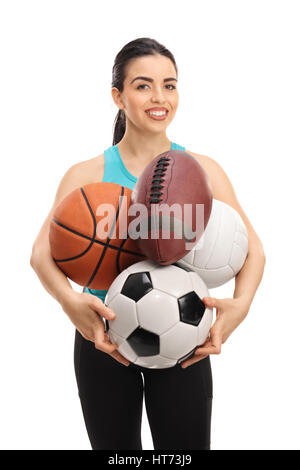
point(151, 79)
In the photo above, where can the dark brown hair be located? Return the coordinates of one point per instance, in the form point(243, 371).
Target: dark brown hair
point(137, 48)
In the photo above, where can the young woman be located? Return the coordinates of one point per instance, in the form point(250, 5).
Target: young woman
point(178, 400)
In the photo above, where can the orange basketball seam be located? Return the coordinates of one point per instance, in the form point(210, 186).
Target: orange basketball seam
point(108, 238)
point(95, 241)
point(77, 233)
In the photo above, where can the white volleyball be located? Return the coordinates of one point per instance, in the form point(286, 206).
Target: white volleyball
point(222, 250)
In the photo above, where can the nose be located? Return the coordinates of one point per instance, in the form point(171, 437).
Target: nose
point(158, 95)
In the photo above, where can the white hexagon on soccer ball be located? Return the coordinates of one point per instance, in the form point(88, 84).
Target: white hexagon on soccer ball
point(126, 319)
point(141, 266)
point(157, 311)
point(179, 340)
point(171, 279)
point(116, 287)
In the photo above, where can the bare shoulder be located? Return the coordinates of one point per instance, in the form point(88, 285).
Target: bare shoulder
point(88, 171)
point(209, 164)
point(220, 183)
point(215, 173)
point(80, 174)
point(223, 190)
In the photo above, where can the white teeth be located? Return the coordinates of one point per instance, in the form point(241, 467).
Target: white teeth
point(157, 113)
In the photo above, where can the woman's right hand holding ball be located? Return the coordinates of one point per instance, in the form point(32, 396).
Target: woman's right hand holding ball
point(86, 311)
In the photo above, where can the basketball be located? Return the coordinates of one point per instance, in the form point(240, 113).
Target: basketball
point(88, 235)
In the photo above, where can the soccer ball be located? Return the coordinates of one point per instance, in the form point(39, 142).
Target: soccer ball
point(221, 251)
point(160, 317)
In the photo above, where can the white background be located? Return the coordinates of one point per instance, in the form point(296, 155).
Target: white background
point(239, 94)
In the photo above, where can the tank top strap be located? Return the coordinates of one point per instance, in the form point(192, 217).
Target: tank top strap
point(116, 172)
point(177, 147)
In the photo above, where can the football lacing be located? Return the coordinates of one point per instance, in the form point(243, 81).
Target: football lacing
point(157, 180)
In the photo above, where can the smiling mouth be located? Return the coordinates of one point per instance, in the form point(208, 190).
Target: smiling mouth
point(157, 114)
point(156, 109)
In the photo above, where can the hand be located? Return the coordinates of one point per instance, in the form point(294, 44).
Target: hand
point(229, 314)
point(86, 312)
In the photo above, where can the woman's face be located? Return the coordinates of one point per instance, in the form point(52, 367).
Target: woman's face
point(152, 91)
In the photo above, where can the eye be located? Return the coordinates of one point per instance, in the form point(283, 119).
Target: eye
point(139, 87)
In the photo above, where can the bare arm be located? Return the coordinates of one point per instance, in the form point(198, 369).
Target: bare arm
point(249, 277)
point(231, 312)
point(84, 310)
point(51, 277)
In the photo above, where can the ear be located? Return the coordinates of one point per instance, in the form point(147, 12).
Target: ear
point(116, 96)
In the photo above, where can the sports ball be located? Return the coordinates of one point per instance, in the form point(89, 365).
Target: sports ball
point(221, 252)
point(172, 178)
point(89, 243)
point(160, 316)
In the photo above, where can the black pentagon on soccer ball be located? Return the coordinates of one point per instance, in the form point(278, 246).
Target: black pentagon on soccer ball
point(137, 285)
point(143, 342)
point(191, 308)
point(186, 268)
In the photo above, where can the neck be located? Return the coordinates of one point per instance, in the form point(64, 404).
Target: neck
point(143, 148)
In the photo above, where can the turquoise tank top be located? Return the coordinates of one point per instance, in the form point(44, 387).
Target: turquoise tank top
point(116, 172)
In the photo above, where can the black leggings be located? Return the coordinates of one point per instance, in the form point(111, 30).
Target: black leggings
point(178, 401)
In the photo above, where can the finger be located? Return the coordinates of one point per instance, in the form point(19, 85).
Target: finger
point(102, 341)
point(116, 355)
point(102, 310)
point(212, 345)
point(210, 302)
point(191, 361)
point(85, 335)
point(213, 349)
